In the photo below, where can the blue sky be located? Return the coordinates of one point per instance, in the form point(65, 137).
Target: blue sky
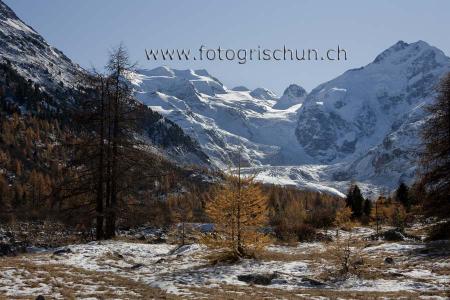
point(85, 30)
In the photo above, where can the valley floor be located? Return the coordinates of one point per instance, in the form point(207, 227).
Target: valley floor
point(125, 269)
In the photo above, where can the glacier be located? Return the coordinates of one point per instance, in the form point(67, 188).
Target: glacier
point(362, 126)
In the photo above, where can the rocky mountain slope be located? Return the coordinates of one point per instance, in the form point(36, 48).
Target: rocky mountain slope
point(369, 119)
point(294, 94)
point(31, 55)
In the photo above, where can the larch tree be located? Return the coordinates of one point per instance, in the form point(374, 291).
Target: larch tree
point(87, 168)
point(343, 219)
point(107, 152)
point(121, 130)
point(291, 219)
point(239, 211)
point(181, 210)
point(377, 212)
point(435, 157)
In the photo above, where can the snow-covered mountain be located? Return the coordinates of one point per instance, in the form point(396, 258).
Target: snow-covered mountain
point(363, 125)
point(354, 112)
point(369, 119)
point(224, 121)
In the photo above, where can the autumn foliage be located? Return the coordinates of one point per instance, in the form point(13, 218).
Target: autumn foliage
point(239, 211)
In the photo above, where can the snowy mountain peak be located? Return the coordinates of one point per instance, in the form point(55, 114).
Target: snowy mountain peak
point(240, 88)
point(401, 52)
point(7, 13)
point(294, 90)
point(159, 71)
point(400, 45)
point(179, 83)
point(263, 94)
point(293, 94)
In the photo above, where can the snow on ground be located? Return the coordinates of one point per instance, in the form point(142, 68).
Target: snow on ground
point(300, 248)
point(417, 268)
point(392, 247)
point(164, 266)
point(13, 284)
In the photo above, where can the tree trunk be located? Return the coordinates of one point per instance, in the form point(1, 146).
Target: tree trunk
point(182, 234)
point(99, 207)
point(111, 224)
point(239, 246)
point(108, 233)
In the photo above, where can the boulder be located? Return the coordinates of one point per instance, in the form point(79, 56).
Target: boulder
point(136, 266)
point(313, 282)
point(389, 260)
point(261, 279)
point(358, 262)
point(12, 248)
point(158, 240)
point(6, 250)
point(321, 237)
point(394, 235)
point(62, 251)
point(161, 260)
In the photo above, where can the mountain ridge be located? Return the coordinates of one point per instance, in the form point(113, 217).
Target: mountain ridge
point(342, 126)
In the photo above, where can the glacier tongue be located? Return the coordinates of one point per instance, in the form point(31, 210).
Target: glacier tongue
point(361, 126)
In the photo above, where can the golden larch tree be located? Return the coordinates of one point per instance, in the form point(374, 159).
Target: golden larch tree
point(239, 211)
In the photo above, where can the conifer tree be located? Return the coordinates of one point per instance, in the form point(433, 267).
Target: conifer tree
point(402, 196)
point(239, 211)
point(435, 157)
point(349, 196)
point(355, 201)
point(106, 151)
point(120, 130)
point(367, 207)
point(111, 161)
